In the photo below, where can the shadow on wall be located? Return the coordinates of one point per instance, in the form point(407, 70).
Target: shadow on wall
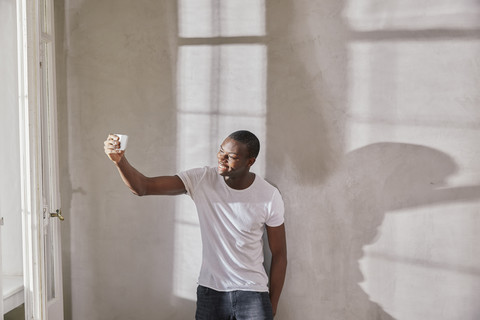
point(335, 203)
point(307, 78)
point(369, 182)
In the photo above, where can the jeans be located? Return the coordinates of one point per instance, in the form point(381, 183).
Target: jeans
point(232, 305)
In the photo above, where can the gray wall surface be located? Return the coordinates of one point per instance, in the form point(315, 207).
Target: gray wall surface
point(368, 114)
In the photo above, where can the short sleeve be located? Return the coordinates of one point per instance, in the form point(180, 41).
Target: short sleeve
point(276, 211)
point(191, 178)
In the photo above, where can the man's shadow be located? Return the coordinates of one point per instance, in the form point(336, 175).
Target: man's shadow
point(368, 183)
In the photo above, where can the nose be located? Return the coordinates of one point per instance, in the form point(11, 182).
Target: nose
point(221, 156)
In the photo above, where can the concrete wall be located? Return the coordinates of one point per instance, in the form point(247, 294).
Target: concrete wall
point(368, 114)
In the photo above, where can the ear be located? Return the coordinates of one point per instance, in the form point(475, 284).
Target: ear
point(251, 161)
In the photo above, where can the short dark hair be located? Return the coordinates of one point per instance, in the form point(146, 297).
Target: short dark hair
point(249, 139)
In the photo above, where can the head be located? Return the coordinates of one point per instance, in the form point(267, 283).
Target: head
point(237, 153)
point(249, 140)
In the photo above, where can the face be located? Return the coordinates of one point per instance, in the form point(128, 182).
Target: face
point(233, 159)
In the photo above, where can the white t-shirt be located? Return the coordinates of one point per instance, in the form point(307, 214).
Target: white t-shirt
point(232, 223)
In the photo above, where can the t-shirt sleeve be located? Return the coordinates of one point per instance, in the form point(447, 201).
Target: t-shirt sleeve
point(191, 178)
point(277, 211)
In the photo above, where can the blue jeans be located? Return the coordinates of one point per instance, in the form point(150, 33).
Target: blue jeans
point(232, 305)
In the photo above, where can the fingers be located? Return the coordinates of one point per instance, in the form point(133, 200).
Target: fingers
point(113, 137)
point(112, 148)
point(112, 144)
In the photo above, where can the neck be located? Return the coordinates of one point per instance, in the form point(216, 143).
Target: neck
point(240, 183)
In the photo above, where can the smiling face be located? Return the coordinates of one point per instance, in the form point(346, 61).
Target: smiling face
point(233, 159)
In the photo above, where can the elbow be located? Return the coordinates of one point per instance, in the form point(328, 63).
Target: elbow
point(138, 192)
point(280, 258)
point(284, 261)
point(139, 187)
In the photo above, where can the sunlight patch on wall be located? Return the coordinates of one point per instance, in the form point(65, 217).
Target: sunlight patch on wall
point(413, 79)
point(427, 87)
point(221, 88)
point(428, 266)
point(221, 18)
point(412, 15)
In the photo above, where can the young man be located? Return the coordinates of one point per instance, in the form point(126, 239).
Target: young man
point(234, 206)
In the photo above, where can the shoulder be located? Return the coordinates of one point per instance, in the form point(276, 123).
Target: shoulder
point(266, 190)
point(193, 177)
point(195, 172)
point(265, 185)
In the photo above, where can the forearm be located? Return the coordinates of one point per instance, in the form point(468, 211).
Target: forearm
point(132, 178)
point(277, 278)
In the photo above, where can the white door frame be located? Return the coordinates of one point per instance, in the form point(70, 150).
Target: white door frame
point(30, 102)
point(28, 88)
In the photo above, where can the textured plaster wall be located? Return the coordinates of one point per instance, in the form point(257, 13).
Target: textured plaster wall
point(371, 132)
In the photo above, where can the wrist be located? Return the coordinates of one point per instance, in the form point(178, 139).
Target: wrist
point(120, 162)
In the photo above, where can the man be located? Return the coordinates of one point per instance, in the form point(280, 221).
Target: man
point(234, 206)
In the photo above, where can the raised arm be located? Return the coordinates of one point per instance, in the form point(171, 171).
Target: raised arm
point(138, 183)
point(278, 247)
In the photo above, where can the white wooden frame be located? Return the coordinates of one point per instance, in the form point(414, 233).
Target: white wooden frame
point(30, 118)
point(30, 144)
